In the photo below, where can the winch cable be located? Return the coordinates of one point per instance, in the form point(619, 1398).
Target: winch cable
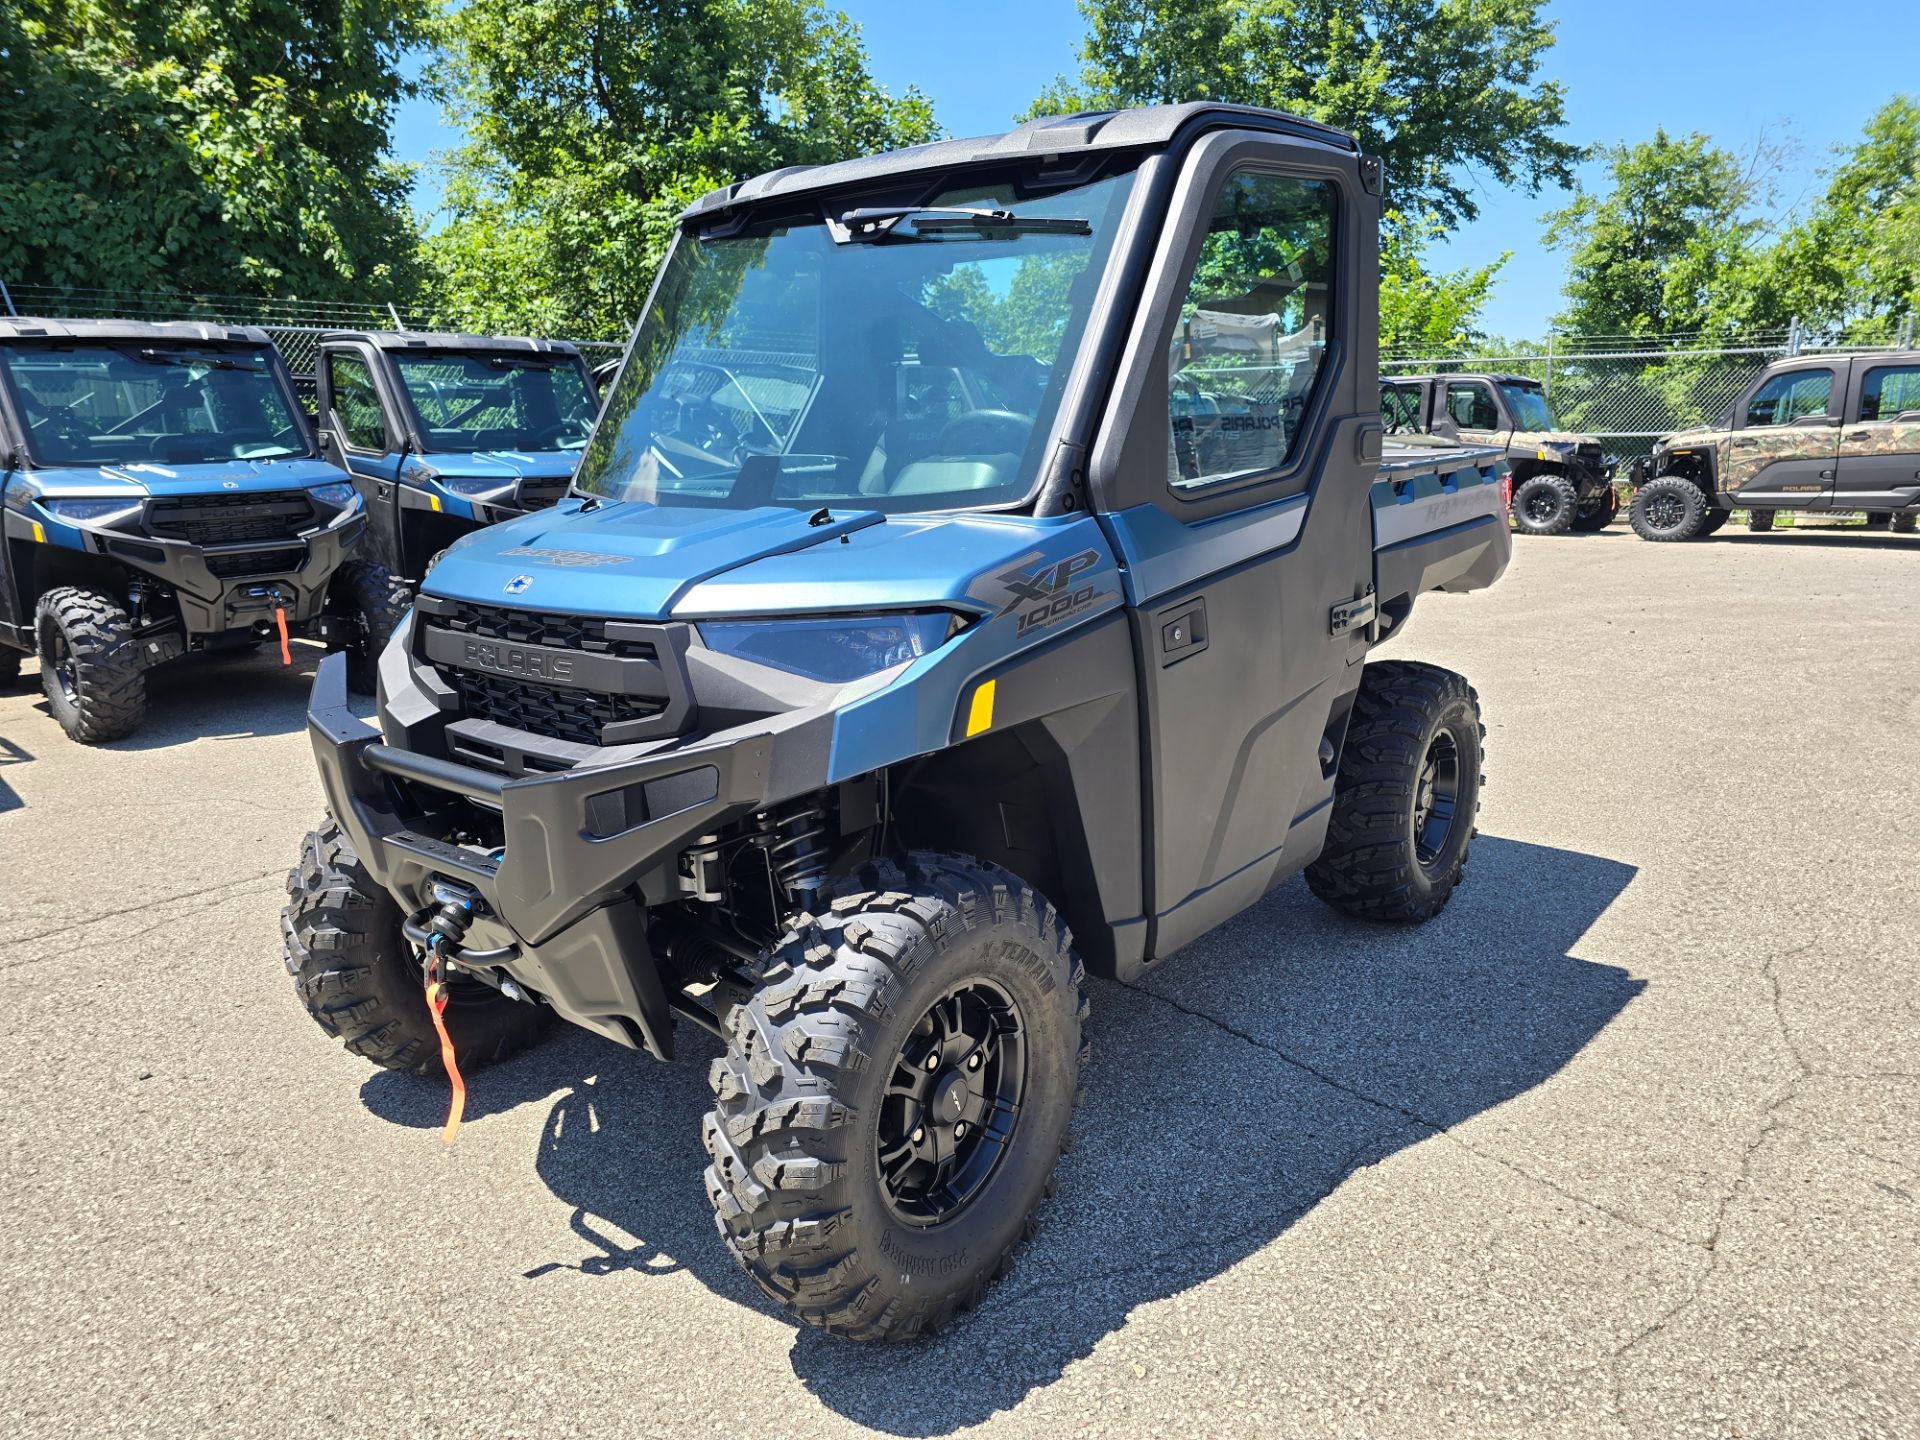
point(448, 928)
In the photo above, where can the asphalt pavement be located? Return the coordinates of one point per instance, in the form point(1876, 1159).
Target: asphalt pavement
point(1626, 1143)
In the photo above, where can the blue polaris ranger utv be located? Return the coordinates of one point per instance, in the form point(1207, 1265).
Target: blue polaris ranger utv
point(971, 575)
point(446, 433)
point(163, 494)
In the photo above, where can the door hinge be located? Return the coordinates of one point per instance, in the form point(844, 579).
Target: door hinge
point(1350, 614)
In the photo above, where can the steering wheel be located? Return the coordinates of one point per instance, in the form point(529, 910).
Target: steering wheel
point(985, 432)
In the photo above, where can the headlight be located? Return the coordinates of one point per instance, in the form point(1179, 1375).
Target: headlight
point(475, 487)
point(836, 648)
point(118, 508)
point(339, 495)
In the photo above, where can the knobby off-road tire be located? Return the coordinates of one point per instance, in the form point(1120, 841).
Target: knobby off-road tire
point(810, 1118)
point(1760, 521)
point(1545, 505)
point(1406, 796)
point(1668, 507)
point(1714, 519)
point(90, 667)
point(1905, 522)
point(372, 602)
point(359, 980)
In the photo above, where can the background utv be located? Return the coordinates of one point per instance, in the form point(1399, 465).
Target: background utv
point(971, 573)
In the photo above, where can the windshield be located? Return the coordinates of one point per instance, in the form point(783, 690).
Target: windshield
point(128, 402)
point(913, 370)
point(466, 402)
point(1529, 406)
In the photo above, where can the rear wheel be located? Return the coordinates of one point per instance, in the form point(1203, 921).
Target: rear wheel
point(90, 669)
point(1545, 505)
point(367, 603)
point(895, 1095)
point(359, 980)
point(1903, 523)
point(1406, 796)
point(1668, 507)
point(1760, 521)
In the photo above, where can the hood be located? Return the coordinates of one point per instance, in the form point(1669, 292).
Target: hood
point(1684, 439)
point(157, 480)
point(1552, 439)
point(641, 561)
point(502, 465)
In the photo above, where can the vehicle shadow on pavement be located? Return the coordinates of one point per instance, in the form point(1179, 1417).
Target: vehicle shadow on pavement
point(1847, 539)
point(1230, 1092)
point(11, 754)
point(230, 695)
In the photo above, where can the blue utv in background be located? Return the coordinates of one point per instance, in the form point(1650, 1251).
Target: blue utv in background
point(446, 433)
point(972, 573)
point(163, 494)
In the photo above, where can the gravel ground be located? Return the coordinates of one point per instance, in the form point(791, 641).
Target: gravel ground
point(1626, 1143)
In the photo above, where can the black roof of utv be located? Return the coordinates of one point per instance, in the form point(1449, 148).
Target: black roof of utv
point(177, 332)
point(404, 340)
point(1049, 138)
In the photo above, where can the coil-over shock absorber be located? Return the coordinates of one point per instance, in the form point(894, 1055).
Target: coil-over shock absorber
point(794, 837)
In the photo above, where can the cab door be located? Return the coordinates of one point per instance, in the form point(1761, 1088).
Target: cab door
point(1233, 470)
point(364, 434)
point(1786, 438)
point(1879, 460)
point(1471, 405)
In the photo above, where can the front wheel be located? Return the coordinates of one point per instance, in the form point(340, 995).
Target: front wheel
point(90, 668)
point(1599, 513)
point(1406, 796)
point(367, 602)
point(1545, 505)
point(895, 1094)
point(1668, 507)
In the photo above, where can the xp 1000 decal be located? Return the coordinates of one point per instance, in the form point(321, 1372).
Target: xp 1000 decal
point(1041, 593)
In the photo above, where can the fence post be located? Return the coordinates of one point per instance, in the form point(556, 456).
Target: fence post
point(1906, 332)
point(1793, 337)
point(1549, 384)
point(7, 295)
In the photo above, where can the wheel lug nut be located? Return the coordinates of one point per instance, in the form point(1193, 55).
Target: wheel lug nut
point(973, 1061)
point(933, 1061)
point(919, 1135)
point(959, 1129)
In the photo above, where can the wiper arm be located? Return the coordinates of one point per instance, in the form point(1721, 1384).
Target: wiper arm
point(932, 221)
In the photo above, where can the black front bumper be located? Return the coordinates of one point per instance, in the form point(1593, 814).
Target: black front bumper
point(291, 574)
point(584, 852)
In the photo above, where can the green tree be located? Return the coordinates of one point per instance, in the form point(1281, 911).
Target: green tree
point(216, 145)
point(592, 123)
point(1442, 90)
point(1852, 265)
point(1659, 248)
point(1422, 313)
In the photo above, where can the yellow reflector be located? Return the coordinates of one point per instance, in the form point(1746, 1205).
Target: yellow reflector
point(435, 499)
point(980, 713)
point(39, 535)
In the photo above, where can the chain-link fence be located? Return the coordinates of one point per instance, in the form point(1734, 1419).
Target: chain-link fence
point(295, 326)
point(1629, 390)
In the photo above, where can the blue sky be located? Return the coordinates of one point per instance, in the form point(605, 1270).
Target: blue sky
point(1733, 70)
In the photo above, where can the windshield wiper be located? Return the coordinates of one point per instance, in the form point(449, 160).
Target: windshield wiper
point(937, 221)
point(211, 362)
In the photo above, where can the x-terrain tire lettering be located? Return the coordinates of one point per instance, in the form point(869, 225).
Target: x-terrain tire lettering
point(866, 1077)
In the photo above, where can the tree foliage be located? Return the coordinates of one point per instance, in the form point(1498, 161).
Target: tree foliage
point(592, 123)
point(1441, 90)
point(215, 145)
point(1422, 312)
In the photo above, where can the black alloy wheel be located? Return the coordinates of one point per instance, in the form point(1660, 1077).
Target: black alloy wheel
point(952, 1103)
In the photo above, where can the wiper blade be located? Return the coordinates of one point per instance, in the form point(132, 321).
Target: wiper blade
point(935, 221)
point(211, 362)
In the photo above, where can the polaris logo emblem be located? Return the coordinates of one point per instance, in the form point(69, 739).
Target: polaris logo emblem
point(518, 584)
point(528, 664)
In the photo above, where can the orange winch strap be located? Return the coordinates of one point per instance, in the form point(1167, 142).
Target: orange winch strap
point(437, 1002)
point(280, 619)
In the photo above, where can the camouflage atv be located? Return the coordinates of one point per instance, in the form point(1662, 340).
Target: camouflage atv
point(1561, 481)
point(1819, 433)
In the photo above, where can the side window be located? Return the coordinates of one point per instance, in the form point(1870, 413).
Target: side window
point(1471, 405)
point(1890, 390)
point(1252, 337)
point(1400, 408)
point(356, 402)
point(1789, 396)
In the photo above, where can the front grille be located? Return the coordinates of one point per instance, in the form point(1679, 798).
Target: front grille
point(258, 562)
point(524, 627)
point(541, 494)
point(232, 519)
point(550, 710)
point(558, 712)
